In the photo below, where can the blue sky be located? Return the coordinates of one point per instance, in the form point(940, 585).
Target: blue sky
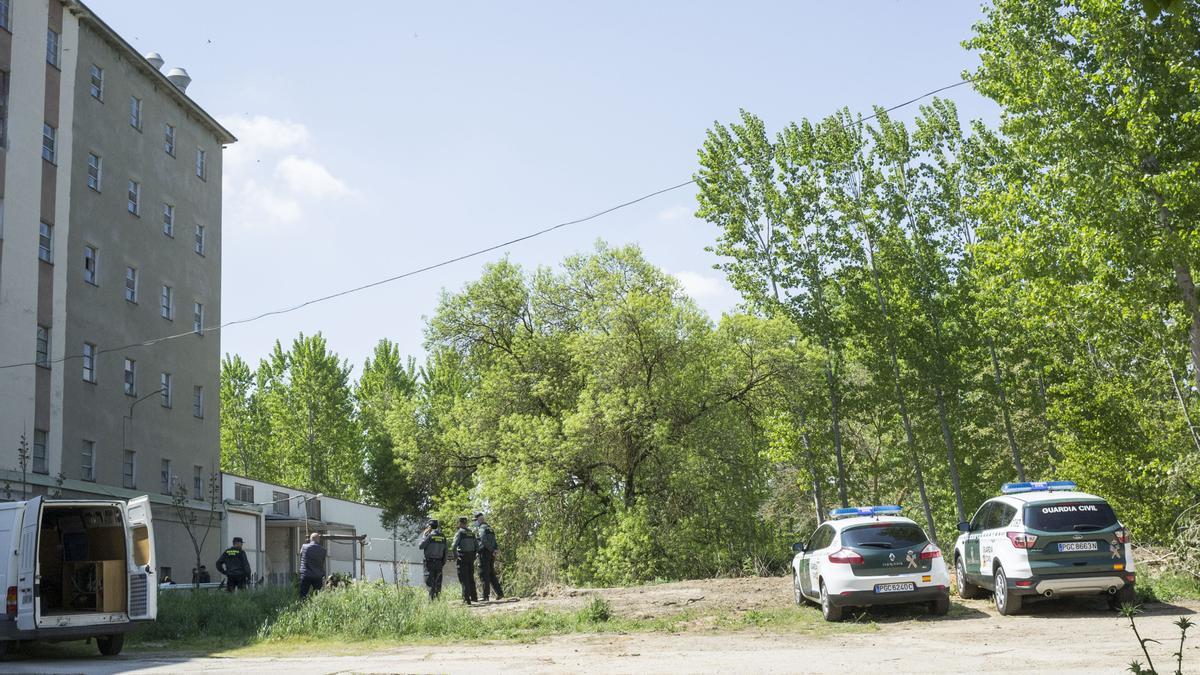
point(378, 137)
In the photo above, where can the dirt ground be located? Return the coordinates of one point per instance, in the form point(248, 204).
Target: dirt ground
point(1072, 636)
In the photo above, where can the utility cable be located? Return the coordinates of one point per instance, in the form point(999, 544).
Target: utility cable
point(420, 270)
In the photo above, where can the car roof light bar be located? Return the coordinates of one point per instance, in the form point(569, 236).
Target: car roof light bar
point(864, 511)
point(1037, 486)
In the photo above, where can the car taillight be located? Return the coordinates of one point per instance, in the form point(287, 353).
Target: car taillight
point(1131, 577)
point(930, 552)
point(1022, 540)
point(10, 602)
point(1122, 536)
point(846, 557)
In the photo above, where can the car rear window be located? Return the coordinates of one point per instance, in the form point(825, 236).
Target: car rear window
point(1069, 516)
point(884, 536)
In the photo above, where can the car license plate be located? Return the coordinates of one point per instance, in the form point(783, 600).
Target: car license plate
point(895, 588)
point(1071, 546)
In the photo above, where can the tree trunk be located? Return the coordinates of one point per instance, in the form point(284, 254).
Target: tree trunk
point(810, 458)
point(951, 459)
point(1187, 414)
point(1008, 428)
point(836, 428)
point(1186, 285)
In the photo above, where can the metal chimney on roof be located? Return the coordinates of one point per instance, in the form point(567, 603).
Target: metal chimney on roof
point(155, 60)
point(180, 78)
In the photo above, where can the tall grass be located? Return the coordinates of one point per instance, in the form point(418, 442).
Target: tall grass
point(232, 619)
point(376, 611)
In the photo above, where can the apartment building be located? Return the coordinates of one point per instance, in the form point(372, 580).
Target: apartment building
point(110, 238)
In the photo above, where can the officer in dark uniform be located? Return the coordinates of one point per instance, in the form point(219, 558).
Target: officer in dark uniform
point(465, 546)
point(234, 564)
point(487, 558)
point(433, 543)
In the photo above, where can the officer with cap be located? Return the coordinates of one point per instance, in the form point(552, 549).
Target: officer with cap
point(465, 545)
point(234, 564)
point(433, 543)
point(487, 558)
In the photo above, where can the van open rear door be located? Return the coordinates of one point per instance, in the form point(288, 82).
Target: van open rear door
point(27, 570)
point(143, 582)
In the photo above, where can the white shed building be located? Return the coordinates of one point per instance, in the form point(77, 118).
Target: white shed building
point(275, 520)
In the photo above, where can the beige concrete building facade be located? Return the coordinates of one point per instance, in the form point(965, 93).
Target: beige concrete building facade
point(110, 239)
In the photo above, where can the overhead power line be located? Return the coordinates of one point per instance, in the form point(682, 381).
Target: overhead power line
point(420, 270)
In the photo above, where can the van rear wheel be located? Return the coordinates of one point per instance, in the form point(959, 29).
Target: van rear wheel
point(110, 645)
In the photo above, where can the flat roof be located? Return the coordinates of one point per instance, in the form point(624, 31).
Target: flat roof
point(86, 15)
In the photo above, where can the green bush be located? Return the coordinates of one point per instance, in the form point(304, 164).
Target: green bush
point(596, 611)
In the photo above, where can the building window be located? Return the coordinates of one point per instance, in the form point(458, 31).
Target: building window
point(93, 180)
point(198, 402)
point(40, 465)
point(87, 461)
point(3, 106)
point(91, 265)
point(164, 389)
point(201, 164)
point(198, 318)
point(165, 476)
point(243, 493)
point(169, 140)
point(52, 49)
point(49, 136)
point(89, 362)
point(5, 15)
point(131, 284)
point(169, 220)
point(135, 197)
point(312, 507)
point(135, 112)
point(97, 84)
point(198, 482)
point(46, 242)
point(130, 377)
point(43, 347)
point(167, 304)
point(128, 469)
point(281, 504)
point(200, 239)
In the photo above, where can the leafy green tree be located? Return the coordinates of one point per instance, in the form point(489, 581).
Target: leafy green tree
point(245, 431)
point(386, 384)
point(314, 433)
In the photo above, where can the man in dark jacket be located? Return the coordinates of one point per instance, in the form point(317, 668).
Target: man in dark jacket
point(312, 565)
point(234, 564)
point(433, 544)
point(465, 545)
point(487, 558)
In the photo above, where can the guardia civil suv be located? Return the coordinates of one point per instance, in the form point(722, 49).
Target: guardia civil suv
point(867, 555)
point(1044, 540)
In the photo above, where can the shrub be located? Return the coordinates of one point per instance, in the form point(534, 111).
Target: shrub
point(234, 618)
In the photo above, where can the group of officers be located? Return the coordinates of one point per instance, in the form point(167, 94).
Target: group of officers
point(465, 546)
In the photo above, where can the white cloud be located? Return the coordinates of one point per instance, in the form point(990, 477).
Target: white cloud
point(270, 176)
point(306, 176)
point(701, 287)
point(677, 212)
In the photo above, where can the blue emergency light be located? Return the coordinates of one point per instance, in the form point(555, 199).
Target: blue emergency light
point(864, 511)
point(1037, 486)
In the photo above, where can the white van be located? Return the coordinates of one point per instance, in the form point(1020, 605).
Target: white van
point(78, 569)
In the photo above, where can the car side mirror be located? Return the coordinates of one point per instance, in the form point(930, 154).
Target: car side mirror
point(798, 547)
point(964, 526)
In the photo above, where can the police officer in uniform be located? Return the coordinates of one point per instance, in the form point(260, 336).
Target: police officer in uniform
point(234, 564)
point(433, 543)
point(487, 558)
point(465, 546)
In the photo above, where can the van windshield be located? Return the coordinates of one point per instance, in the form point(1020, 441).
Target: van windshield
point(1069, 516)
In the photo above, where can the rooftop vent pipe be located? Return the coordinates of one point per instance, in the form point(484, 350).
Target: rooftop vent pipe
point(180, 78)
point(155, 60)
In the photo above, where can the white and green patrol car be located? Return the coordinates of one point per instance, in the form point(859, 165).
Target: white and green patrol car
point(1044, 539)
point(868, 555)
